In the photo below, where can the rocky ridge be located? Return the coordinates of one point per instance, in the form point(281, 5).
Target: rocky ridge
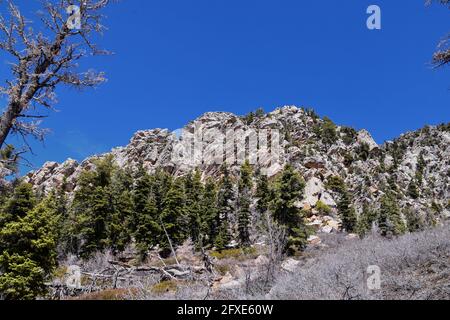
point(365, 166)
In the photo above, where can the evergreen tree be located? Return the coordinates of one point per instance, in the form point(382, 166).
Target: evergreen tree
point(347, 212)
point(21, 202)
point(194, 192)
point(328, 131)
point(173, 217)
point(288, 190)
point(420, 168)
point(245, 188)
point(162, 182)
point(413, 220)
point(413, 190)
point(390, 221)
point(94, 223)
point(145, 225)
point(149, 231)
point(92, 208)
point(225, 208)
point(141, 194)
point(366, 220)
point(263, 194)
point(27, 246)
point(119, 224)
point(118, 228)
point(208, 207)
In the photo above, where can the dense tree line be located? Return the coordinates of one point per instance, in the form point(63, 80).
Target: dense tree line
point(114, 208)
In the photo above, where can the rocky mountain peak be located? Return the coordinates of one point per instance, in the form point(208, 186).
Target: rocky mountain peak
point(316, 147)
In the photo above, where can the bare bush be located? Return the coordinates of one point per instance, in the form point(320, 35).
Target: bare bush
point(410, 266)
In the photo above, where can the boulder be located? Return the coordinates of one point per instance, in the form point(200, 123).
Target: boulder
point(290, 265)
point(326, 229)
point(314, 240)
point(314, 163)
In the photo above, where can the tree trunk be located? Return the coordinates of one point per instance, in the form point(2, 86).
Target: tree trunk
point(7, 121)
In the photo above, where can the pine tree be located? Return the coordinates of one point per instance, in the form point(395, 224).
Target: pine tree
point(119, 224)
point(288, 190)
point(21, 202)
point(173, 217)
point(118, 227)
point(141, 193)
point(245, 188)
point(347, 212)
point(27, 246)
point(366, 220)
point(413, 220)
point(94, 223)
point(420, 168)
point(328, 131)
point(389, 219)
point(208, 207)
point(149, 231)
point(162, 182)
point(263, 194)
point(225, 208)
point(194, 192)
point(413, 190)
point(145, 223)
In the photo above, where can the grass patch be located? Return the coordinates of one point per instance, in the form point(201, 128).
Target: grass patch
point(223, 268)
point(164, 287)
point(234, 253)
point(60, 272)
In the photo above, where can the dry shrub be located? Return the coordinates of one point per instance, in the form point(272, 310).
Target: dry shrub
point(414, 266)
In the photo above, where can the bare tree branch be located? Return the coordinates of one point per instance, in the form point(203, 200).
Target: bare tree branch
point(45, 59)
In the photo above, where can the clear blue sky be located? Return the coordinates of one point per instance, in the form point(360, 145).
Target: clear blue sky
point(175, 60)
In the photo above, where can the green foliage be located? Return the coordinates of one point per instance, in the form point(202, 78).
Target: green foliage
point(420, 168)
point(389, 219)
point(327, 131)
point(363, 151)
point(244, 201)
point(259, 113)
point(322, 208)
point(366, 220)
point(9, 158)
point(208, 207)
point(249, 118)
point(194, 193)
point(226, 205)
point(165, 286)
point(413, 190)
point(414, 222)
point(347, 212)
point(263, 194)
point(173, 218)
point(336, 184)
point(21, 202)
point(223, 236)
point(102, 210)
point(288, 190)
point(237, 253)
point(349, 135)
point(348, 159)
point(27, 245)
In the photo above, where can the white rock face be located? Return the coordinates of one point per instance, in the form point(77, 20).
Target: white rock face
point(365, 137)
point(299, 145)
point(314, 187)
point(290, 265)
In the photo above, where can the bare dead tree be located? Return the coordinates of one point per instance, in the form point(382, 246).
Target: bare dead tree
point(442, 56)
point(45, 55)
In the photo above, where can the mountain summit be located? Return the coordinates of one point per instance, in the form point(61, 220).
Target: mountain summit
point(416, 164)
